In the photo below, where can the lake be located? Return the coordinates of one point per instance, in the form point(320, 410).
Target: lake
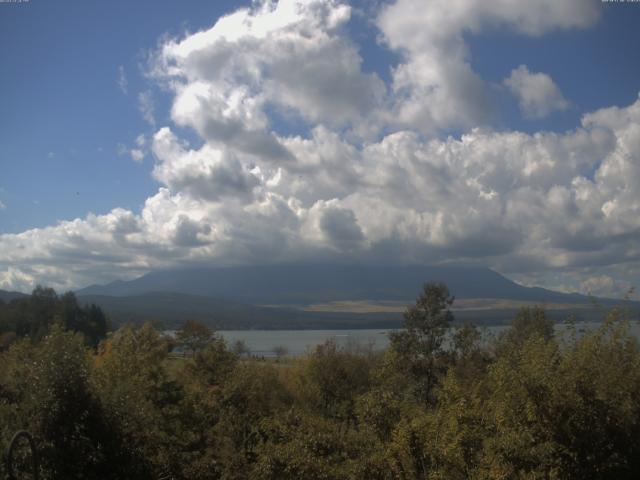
point(299, 342)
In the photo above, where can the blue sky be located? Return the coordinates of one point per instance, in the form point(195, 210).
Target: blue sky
point(74, 73)
point(60, 94)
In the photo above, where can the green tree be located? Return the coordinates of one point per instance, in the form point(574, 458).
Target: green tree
point(213, 365)
point(298, 445)
point(88, 320)
point(140, 400)
point(529, 322)
point(541, 411)
point(419, 345)
point(253, 392)
point(44, 388)
point(34, 316)
point(331, 381)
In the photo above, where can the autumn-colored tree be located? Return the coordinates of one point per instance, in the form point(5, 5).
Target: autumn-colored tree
point(332, 379)
point(193, 336)
point(301, 445)
point(527, 405)
point(138, 398)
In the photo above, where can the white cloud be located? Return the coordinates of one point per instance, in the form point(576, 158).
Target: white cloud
point(137, 155)
point(514, 201)
point(2, 206)
point(537, 94)
point(14, 279)
point(599, 280)
point(211, 173)
point(294, 56)
point(147, 107)
point(291, 55)
point(521, 203)
point(122, 79)
point(435, 87)
point(604, 286)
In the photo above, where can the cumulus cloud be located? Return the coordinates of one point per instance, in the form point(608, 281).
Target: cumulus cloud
point(212, 174)
point(189, 233)
point(537, 94)
point(511, 200)
point(2, 206)
point(434, 86)
point(339, 227)
point(290, 55)
point(247, 194)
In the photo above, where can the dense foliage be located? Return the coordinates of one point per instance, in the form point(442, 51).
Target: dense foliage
point(33, 316)
point(440, 403)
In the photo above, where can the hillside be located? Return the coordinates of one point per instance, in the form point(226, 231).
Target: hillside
point(310, 297)
point(303, 285)
point(6, 296)
point(171, 309)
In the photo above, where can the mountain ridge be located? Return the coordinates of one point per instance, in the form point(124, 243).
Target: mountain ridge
point(320, 296)
point(299, 285)
point(7, 296)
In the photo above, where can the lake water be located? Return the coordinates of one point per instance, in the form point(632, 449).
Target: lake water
point(299, 342)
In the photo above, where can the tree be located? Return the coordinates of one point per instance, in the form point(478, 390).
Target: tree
point(530, 322)
point(466, 341)
point(301, 445)
point(194, 336)
point(240, 348)
point(252, 392)
point(420, 344)
point(47, 391)
point(35, 315)
point(332, 380)
point(213, 364)
point(138, 400)
point(90, 320)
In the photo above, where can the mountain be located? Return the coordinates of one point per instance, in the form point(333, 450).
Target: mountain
point(8, 296)
point(303, 285)
point(321, 296)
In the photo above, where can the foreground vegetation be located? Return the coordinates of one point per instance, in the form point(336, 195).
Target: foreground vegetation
point(525, 405)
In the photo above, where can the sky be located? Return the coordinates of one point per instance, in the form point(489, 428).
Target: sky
point(146, 135)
